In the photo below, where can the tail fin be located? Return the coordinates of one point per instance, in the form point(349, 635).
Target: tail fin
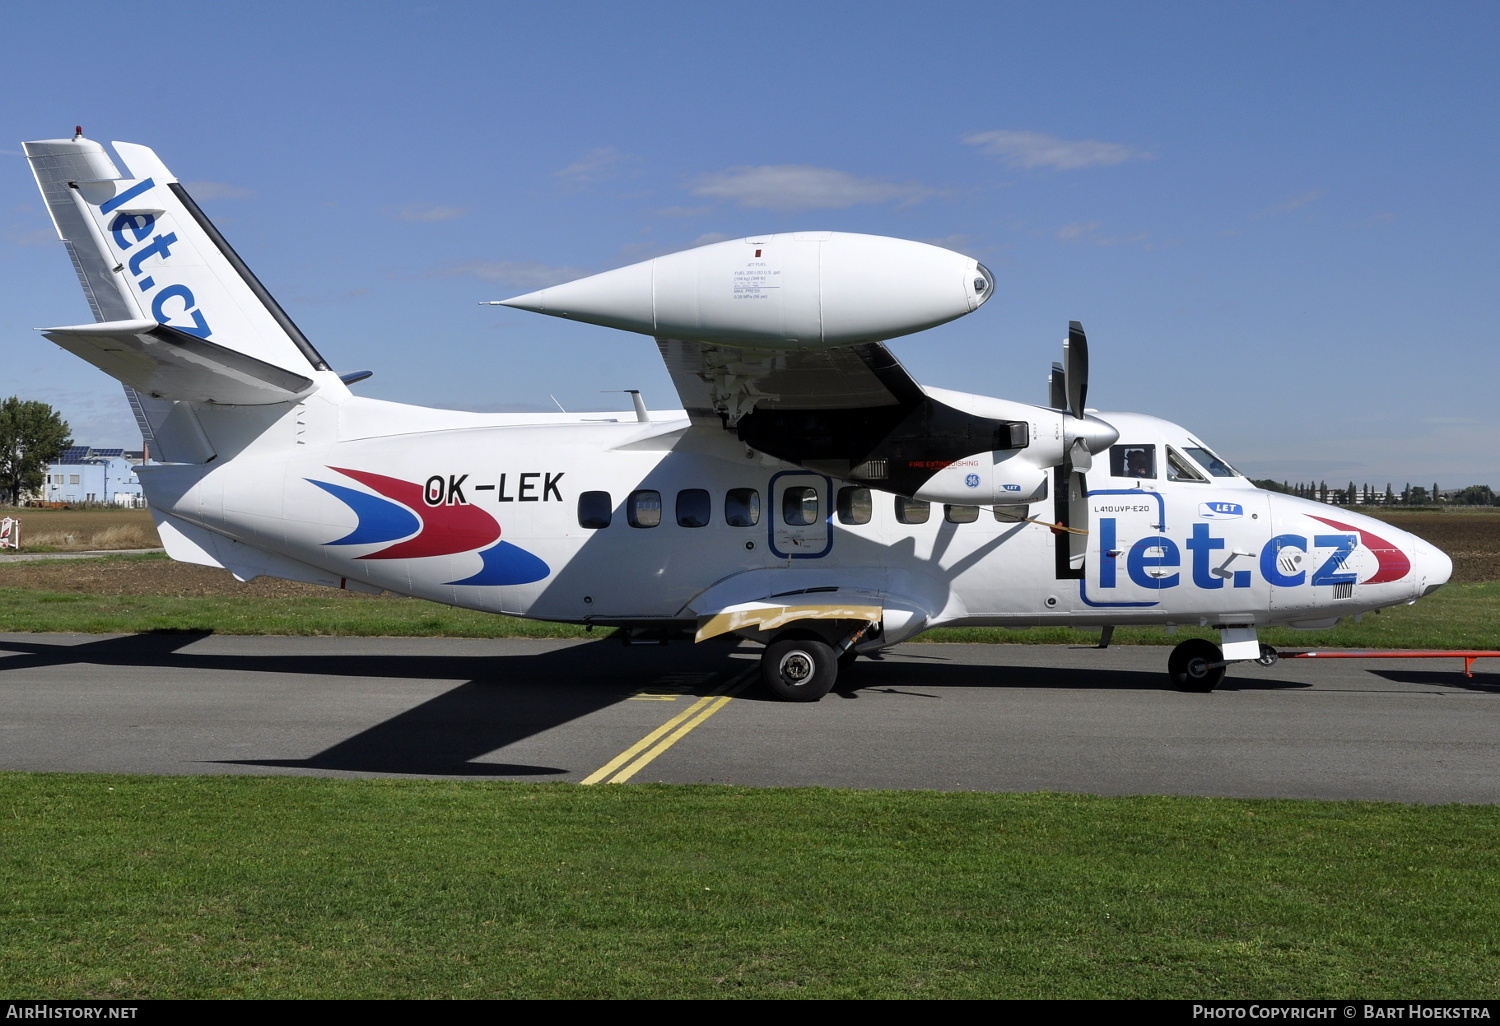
point(184, 319)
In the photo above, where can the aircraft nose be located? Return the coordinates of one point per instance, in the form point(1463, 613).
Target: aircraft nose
point(1433, 567)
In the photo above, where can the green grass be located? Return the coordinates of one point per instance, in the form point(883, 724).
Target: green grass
point(1458, 616)
point(128, 887)
point(22, 610)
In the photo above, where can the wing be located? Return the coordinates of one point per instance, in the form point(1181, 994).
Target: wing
point(722, 382)
point(849, 411)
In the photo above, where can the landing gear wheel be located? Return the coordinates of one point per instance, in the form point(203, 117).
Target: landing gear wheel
point(1191, 665)
point(800, 668)
point(1268, 656)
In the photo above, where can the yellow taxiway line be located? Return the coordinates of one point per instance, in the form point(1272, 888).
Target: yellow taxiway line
point(639, 755)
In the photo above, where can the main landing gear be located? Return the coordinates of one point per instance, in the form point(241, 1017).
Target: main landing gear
point(800, 665)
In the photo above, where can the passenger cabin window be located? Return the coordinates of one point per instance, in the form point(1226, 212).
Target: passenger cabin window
point(1180, 468)
point(594, 510)
point(742, 507)
point(960, 514)
point(912, 511)
point(693, 508)
point(799, 506)
point(1211, 463)
point(1137, 461)
point(855, 505)
point(643, 508)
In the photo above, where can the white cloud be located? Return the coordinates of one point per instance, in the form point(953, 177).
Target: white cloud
point(959, 242)
point(1077, 230)
point(217, 191)
point(1121, 240)
point(1036, 149)
point(320, 298)
point(598, 165)
point(425, 213)
point(19, 236)
point(635, 252)
point(1292, 204)
point(688, 212)
point(1088, 231)
point(788, 187)
point(521, 274)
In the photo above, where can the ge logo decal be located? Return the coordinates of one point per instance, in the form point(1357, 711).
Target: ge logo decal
point(972, 480)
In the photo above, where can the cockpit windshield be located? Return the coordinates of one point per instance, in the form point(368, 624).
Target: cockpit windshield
point(1180, 468)
point(1209, 462)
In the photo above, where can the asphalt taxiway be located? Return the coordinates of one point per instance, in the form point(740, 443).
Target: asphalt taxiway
point(952, 717)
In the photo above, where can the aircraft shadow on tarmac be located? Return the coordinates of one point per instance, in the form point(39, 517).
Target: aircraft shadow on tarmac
point(935, 673)
point(508, 698)
point(1454, 678)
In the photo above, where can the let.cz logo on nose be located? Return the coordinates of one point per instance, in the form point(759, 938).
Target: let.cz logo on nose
point(138, 228)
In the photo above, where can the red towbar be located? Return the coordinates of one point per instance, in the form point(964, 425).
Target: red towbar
point(1468, 656)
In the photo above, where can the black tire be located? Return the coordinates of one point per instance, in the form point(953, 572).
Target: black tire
point(1191, 665)
point(798, 668)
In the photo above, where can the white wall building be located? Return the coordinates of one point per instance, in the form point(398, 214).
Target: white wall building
point(86, 474)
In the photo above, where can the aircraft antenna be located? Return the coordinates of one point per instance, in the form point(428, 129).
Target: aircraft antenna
point(641, 413)
point(554, 400)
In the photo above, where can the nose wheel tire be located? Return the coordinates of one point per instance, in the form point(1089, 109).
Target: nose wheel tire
point(798, 669)
point(1196, 665)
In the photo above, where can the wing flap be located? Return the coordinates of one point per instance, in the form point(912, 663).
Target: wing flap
point(160, 361)
point(769, 615)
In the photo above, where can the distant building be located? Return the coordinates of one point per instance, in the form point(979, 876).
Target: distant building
point(86, 474)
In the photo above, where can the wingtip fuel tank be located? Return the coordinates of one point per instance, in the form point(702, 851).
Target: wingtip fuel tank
point(802, 290)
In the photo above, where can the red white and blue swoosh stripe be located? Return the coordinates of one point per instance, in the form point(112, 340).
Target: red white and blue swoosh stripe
point(1394, 564)
point(399, 514)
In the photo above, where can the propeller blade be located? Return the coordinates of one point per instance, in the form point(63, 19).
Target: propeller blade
point(1076, 368)
point(1058, 384)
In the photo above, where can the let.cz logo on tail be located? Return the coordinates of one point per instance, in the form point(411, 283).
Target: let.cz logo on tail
point(135, 236)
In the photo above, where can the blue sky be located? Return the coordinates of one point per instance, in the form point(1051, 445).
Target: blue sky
point(1277, 221)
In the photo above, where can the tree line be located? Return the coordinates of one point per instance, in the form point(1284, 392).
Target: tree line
point(1364, 495)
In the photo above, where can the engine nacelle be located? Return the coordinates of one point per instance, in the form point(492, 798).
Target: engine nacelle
point(802, 290)
point(988, 479)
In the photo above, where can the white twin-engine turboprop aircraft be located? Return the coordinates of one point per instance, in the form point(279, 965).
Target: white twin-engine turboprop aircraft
point(810, 495)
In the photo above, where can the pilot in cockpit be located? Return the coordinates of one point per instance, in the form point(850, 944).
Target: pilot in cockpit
point(1138, 461)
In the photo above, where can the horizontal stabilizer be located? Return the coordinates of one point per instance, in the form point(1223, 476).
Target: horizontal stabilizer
point(163, 362)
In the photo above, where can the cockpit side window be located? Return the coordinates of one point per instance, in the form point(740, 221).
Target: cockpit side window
point(1180, 468)
point(1138, 461)
point(1209, 462)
